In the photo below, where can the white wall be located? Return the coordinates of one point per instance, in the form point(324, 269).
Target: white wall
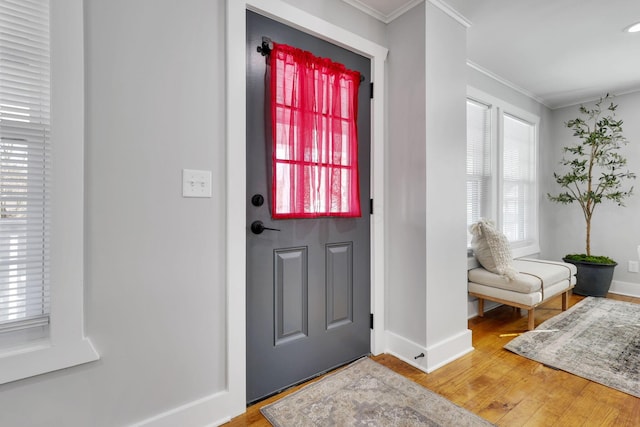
point(615, 231)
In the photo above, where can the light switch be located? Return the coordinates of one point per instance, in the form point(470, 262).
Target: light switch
point(196, 183)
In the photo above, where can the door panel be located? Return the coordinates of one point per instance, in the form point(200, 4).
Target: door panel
point(290, 279)
point(339, 277)
point(308, 284)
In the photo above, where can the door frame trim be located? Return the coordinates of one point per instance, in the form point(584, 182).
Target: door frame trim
point(236, 197)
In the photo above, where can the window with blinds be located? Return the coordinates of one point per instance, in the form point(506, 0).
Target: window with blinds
point(518, 178)
point(24, 163)
point(501, 170)
point(478, 162)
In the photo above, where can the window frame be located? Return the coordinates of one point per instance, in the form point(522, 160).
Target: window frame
point(498, 109)
point(24, 179)
point(65, 344)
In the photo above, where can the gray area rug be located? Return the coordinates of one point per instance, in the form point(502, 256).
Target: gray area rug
point(597, 339)
point(367, 394)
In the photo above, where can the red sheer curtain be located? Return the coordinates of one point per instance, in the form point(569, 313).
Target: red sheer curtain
point(314, 106)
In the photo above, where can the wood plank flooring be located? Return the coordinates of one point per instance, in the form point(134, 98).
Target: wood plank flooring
point(507, 389)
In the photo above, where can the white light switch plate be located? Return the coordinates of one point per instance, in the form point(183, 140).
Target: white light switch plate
point(196, 183)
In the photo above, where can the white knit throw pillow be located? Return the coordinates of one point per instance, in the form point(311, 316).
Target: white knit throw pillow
point(491, 248)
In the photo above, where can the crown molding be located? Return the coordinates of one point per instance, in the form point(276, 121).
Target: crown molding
point(380, 16)
point(446, 8)
point(440, 4)
point(506, 82)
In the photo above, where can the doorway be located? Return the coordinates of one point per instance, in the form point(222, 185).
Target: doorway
point(308, 280)
point(236, 196)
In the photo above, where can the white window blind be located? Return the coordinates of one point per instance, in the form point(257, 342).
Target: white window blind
point(478, 162)
point(518, 175)
point(24, 163)
point(502, 170)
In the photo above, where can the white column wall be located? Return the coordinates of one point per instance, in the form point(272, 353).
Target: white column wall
point(427, 290)
point(406, 291)
point(446, 261)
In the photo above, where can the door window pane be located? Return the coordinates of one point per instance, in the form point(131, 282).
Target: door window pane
point(315, 146)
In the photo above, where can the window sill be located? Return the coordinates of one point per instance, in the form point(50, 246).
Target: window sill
point(42, 356)
point(525, 251)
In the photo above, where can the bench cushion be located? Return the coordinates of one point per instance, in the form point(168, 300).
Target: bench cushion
point(532, 275)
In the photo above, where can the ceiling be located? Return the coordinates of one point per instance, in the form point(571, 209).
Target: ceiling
point(558, 52)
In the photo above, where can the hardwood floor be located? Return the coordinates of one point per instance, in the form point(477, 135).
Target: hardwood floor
point(507, 389)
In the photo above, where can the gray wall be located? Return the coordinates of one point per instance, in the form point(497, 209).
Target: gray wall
point(446, 179)
point(155, 261)
point(426, 285)
point(500, 90)
point(155, 296)
point(343, 15)
point(154, 273)
point(406, 159)
point(517, 99)
point(615, 231)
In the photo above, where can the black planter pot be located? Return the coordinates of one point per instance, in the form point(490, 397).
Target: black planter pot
point(592, 279)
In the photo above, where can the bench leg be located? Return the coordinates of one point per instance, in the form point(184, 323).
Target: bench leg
point(480, 307)
point(532, 320)
point(565, 301)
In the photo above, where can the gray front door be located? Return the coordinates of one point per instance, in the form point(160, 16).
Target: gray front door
point(308, 284)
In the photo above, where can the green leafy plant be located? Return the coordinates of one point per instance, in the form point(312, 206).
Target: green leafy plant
point(594, 259)
point(596, 170)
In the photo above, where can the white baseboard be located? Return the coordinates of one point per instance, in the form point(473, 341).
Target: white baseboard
point(625, 288)
point(435, 356)
point(210, 411)
point(406, 350)
point(448, 350)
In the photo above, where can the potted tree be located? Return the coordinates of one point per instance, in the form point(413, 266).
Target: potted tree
point(596, 172)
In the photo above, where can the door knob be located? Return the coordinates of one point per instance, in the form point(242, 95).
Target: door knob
point(257, 227)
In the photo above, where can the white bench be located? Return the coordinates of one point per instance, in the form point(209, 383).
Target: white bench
point(537, 282)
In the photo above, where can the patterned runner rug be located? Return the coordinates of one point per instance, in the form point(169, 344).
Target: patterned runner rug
point(597, 339)
point(367, 394)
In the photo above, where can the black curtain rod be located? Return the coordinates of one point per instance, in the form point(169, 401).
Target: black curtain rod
point(267, 46)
